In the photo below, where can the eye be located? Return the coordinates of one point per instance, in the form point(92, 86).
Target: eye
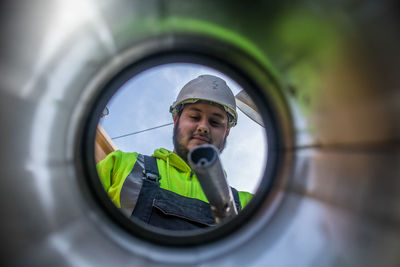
point(215, 123)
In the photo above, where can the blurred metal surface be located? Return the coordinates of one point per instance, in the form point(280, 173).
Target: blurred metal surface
point(338, 64)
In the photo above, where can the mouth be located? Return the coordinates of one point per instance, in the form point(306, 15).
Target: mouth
point(201, 138)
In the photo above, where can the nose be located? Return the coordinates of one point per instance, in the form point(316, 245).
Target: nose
point(203, 127)
point(203, 130)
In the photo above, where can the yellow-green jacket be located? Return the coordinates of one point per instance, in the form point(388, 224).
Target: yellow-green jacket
point(176, 175)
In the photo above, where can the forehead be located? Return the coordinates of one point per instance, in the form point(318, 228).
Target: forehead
point(208, 108)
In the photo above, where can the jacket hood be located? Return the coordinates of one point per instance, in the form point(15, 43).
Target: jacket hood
point(174, 159)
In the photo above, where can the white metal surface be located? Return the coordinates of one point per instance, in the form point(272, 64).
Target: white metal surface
point(338, 64)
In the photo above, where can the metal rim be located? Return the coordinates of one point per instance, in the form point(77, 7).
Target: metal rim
point(185, 49)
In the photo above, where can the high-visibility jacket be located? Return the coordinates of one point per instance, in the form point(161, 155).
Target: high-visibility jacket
point(176, 175)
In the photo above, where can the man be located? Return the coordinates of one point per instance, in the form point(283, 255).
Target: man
point(162, 190)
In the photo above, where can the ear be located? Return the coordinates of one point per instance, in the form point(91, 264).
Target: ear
point(176, 119)
point(227, 132)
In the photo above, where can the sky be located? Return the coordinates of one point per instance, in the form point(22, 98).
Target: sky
point(143, 102)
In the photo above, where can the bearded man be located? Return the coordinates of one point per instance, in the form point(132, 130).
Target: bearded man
point(162, 190)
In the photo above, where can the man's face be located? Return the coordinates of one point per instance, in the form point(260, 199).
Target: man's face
point(200, 123)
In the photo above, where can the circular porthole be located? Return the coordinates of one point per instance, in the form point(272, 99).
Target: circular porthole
point(183, 58)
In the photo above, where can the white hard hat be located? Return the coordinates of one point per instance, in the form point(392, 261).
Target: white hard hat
point(209, 88)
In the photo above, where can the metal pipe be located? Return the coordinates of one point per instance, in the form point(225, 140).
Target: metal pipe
point(337, 194)
point(206, 164)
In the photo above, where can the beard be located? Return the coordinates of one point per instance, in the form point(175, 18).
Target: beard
point(182, 150)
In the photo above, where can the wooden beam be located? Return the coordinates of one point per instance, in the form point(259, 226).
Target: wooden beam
point(103, 144)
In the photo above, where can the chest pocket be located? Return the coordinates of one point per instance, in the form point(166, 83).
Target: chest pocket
point(175, 212)
point(165, 209)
